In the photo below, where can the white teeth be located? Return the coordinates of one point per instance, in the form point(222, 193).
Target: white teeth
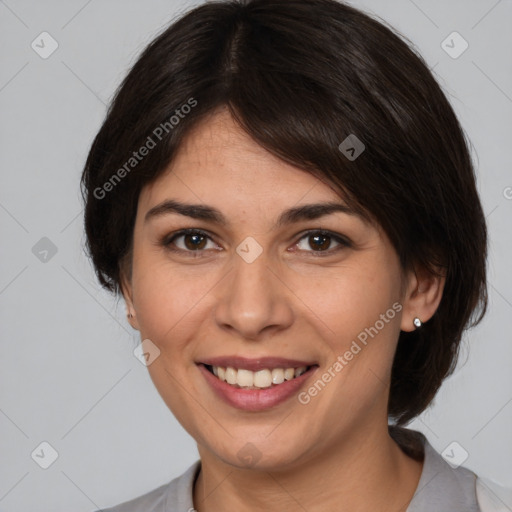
point(277, 376)
point(289, 373)
point(300, 371)
point(244, 378)
point(231, 375)
point(260, 379)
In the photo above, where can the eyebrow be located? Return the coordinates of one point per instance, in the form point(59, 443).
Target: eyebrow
point(211, 214)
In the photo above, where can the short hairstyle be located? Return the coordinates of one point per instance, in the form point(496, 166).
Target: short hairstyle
point(300, 76)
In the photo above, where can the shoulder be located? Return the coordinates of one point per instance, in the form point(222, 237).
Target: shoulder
point(175, 495)
point(493, 497)
point(444, 484)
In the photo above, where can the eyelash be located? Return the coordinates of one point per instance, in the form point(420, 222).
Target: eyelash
point(167, 240)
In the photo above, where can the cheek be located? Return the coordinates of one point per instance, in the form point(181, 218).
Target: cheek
point(358, 309)
point(362, 313)
point(349, 300)
point(169, 301)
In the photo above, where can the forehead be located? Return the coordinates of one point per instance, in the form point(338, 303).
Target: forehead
point(218, 161)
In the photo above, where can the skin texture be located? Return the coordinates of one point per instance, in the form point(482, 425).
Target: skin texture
point(334, 452)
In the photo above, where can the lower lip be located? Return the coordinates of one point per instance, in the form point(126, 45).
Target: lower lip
point(255, 399)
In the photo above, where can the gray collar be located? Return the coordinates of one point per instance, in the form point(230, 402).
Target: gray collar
point(441, 488)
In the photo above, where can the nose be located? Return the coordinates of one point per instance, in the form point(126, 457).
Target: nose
point(254, 300)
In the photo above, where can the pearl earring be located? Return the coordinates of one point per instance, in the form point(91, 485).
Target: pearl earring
point(417, 322)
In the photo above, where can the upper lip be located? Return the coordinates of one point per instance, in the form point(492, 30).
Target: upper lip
point(260, 363)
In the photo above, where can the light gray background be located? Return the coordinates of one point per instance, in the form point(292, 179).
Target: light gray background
point(68, 373)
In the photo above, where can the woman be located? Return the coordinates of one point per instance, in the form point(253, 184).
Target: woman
point(286, 201)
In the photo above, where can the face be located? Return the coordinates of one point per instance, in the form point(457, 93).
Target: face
point(251, 297)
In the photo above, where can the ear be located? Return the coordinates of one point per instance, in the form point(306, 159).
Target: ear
point(423, 294)
point(127, 291)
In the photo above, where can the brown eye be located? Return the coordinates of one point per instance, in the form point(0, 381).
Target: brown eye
point(194, 241)
point(320, 242)
point(187, 241)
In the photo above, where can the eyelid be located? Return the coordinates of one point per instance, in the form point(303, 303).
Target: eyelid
point(342, 240)
point(168, 239)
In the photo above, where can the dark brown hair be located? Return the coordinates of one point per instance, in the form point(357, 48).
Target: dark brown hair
point(300, 76)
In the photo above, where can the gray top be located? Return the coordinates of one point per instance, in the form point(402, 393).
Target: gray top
point(441, 487)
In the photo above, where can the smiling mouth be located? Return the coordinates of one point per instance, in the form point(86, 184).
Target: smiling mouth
point(261, 379)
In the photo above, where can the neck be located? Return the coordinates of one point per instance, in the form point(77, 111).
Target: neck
point(367, 471)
